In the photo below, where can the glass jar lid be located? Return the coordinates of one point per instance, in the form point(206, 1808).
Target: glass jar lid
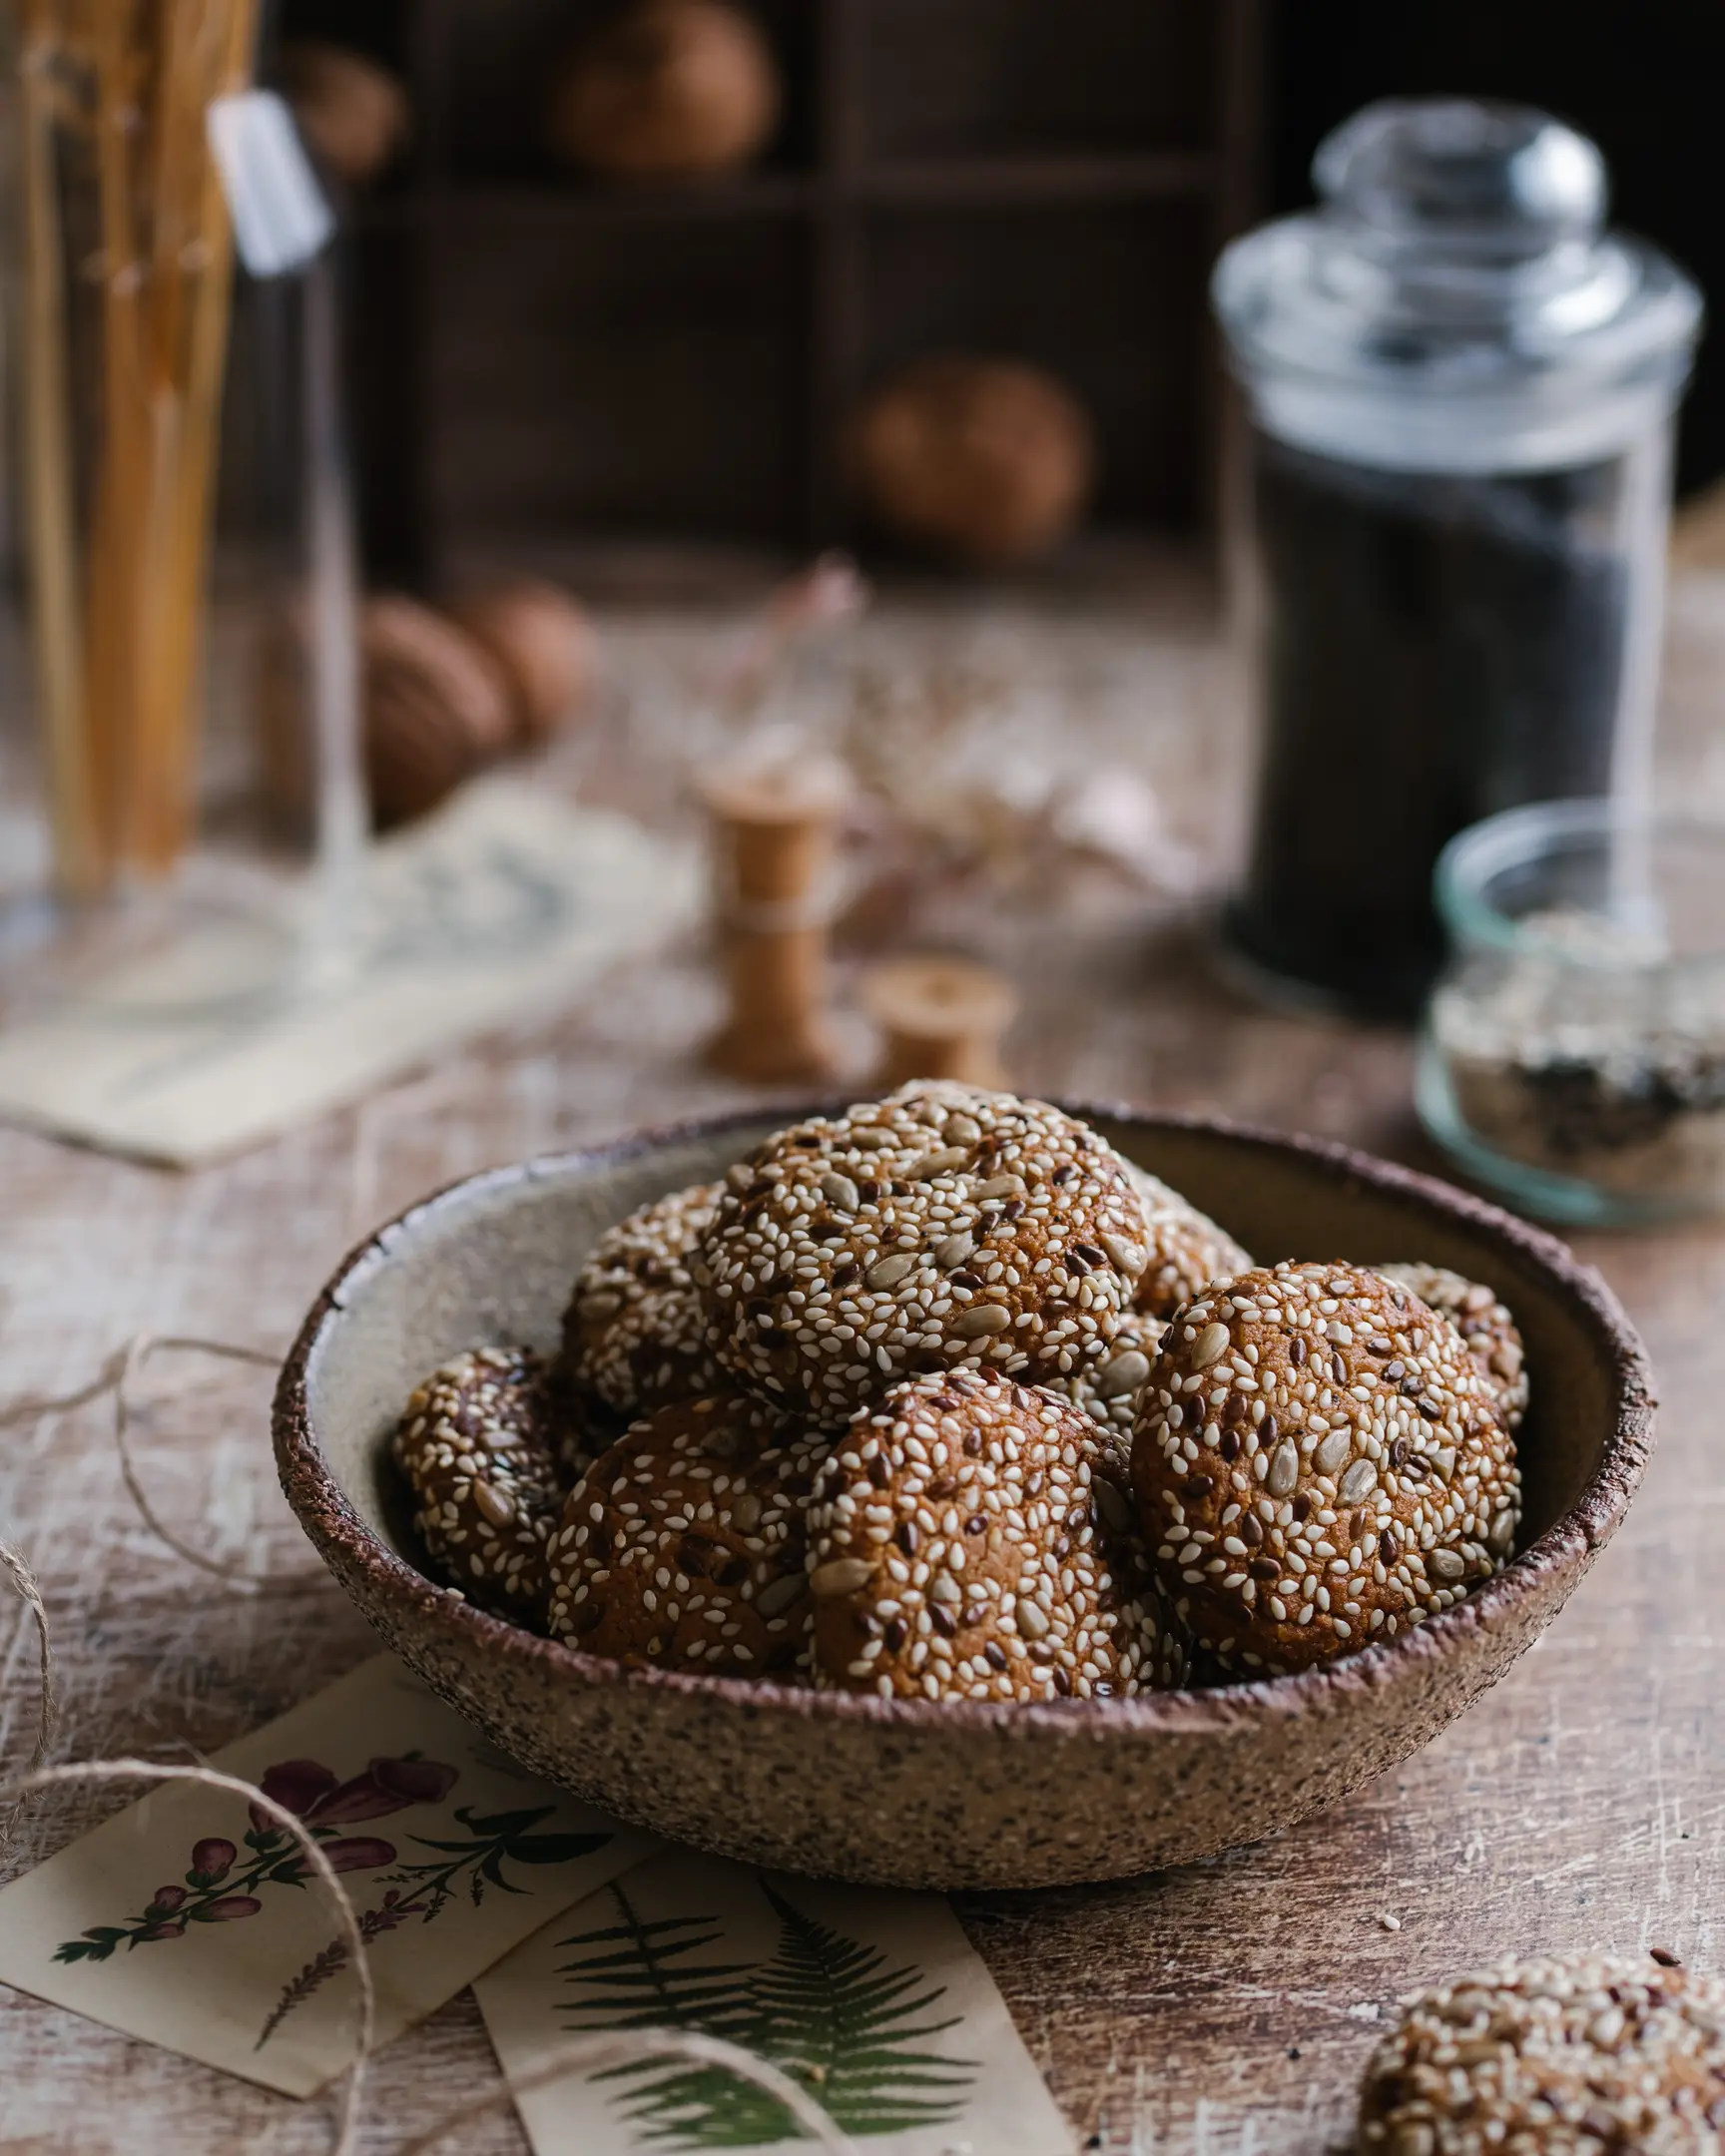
point(1455, 303)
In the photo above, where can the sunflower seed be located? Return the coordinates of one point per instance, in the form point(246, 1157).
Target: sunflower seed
point(1284, 1470)
point(601, 1304)
point(1029, 1617)
point(1360, 1478)
point(954, 1251)
point(962, 1130)
point(944, 1161)
point(1447, 1564)
point(871, 1138)
point(1211, 1342)
point(888, 1272)
point(1001, 1186)
point(1111, 1503)
point(981, 1319)
point(1123, 1372)
point(744, 1511)
point(838, 1575)
point(778, 1594)
point(1445, 1460)
point(840, 1191)
point(1332, 1450)
point(1503, 1530)
point(492, 1504)
point(1130, 1257)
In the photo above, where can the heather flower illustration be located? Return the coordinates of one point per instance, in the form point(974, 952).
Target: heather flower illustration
point(420, 1892)
point(221, 1885)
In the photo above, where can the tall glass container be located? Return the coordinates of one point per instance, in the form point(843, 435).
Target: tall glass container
point(1462, 389)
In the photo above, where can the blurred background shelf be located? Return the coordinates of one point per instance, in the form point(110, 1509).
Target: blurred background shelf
point(536, 351)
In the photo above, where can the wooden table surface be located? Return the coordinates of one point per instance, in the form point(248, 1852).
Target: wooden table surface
point(1224, 2007)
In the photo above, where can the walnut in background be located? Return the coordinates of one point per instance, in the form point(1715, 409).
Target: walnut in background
point(668, 89)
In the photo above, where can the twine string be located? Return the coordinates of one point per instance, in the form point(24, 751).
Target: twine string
point(117, 1376)
point(47, 1703)
point(591, 2053)
point(139, 1770)
point(594, 2053)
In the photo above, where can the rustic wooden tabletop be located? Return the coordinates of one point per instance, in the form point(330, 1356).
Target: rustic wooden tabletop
point(1225, 2007)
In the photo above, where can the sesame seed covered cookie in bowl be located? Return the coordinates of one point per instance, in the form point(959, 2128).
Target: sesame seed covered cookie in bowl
point(814, 1765)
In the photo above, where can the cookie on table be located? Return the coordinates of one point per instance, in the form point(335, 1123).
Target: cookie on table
point(940, 1228)
point(478, 1444)
point(634, 1333)
point(1319, 1462)
point(683, 1546)
point(1482, 1321)
point(1572, 2056)
point(1109, 1392)
point(1187, 1250)
point(973, 1538)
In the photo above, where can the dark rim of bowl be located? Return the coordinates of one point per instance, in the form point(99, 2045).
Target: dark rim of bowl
point(329, 1518)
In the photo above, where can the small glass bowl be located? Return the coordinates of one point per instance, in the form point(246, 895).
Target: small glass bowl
point(1572, 1055)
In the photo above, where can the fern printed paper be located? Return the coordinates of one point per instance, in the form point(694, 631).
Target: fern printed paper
point(873, 2002)
point(827, 2009)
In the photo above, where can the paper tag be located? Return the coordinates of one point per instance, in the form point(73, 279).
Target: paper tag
point(874, 2003)
point(509, 903)
point(185, 1921)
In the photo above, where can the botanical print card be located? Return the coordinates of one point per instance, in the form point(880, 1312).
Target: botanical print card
point(190, 1920)
point(873, 2002)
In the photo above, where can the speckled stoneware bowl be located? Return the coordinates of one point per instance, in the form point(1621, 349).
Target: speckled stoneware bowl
point(907, 1792)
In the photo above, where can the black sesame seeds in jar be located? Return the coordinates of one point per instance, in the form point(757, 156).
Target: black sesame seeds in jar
point(1462, 389)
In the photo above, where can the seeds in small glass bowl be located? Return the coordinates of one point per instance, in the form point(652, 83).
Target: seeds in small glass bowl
point(1319, 1463)
point(635, 1333)
point(971, 1538)
point(1574, 2055)
point(1187, 1249)
point(1484, 1322)
point(477, 1445)
point(683, 1546)
point(943, 1226)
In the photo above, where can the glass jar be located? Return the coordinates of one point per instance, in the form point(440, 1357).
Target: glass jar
point(1462, 391)
point(1573, 1052)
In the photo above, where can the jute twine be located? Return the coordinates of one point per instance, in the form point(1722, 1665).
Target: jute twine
point(581, 2054)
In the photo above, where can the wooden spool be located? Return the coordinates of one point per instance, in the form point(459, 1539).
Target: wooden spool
point(941, 1018)
point(772, 842)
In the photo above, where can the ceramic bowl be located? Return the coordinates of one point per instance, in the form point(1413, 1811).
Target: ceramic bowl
point(907, 1792)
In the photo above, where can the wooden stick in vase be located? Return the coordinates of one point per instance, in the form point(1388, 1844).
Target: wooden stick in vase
point(81, 863)
point(116, 593)
point(224, 60)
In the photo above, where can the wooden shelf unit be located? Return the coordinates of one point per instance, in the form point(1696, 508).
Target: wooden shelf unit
point(541, 352)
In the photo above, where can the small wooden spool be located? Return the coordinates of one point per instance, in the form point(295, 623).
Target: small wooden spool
point(773, 840)
point(942, 1017)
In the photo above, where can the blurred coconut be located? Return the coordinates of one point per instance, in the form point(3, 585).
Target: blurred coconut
point(987, 461)
point(352, 113)
point(543, 641)
point(668, 89)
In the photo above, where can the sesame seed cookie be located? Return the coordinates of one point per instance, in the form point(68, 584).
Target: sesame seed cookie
point(1319, 1462)
point(635, 1335)
point(941, 1226)
point(682, 1545)
point(1187, 1249)
point(970, 1539)
point(1579, 2056)
point(477, 1446)
point(1482, 1321)
point(1109, 1392)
